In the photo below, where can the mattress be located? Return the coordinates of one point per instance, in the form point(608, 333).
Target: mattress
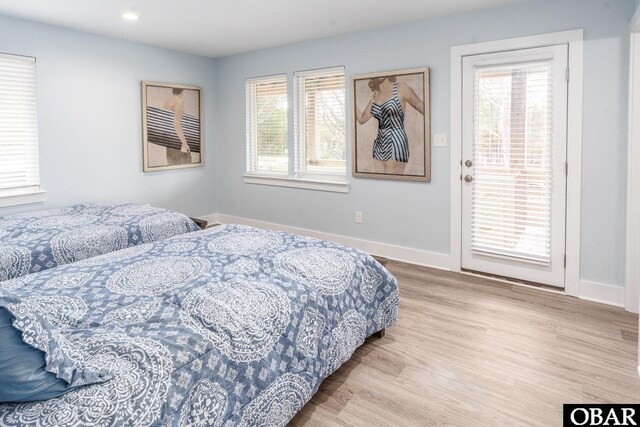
point(37, 241)
point(229, 326)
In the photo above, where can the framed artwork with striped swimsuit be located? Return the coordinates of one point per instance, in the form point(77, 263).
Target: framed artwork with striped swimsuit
point(171, 126)
point(391, 125)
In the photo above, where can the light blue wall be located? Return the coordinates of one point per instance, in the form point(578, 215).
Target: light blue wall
point(417, 214)
point(89, 123)
point(89, 114)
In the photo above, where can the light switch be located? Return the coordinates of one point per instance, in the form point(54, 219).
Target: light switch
point(440, 140)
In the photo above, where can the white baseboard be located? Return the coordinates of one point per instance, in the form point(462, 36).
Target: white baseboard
point(397, 253)
point(590, 291)
point(211, 218)
point(602, 293)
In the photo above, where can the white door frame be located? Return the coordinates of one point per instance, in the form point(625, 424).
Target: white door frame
point(632, 276)
point(632, 279)
point(574, 39)
point(556, 58)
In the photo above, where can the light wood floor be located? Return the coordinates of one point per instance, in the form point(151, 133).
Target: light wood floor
point(468, 351)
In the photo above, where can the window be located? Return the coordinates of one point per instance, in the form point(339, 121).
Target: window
point(316, 158)
point(267, 145)
point(319, 122)
point(18, 129)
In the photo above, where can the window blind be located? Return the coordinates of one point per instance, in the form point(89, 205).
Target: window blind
point(18, 123)
point(319, 122)
point(267, 150)
point(512, 169)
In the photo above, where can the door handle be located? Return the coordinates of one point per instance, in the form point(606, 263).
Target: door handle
point(468, 178)
point(468, 163)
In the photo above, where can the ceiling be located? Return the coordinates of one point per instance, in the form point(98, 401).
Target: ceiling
point(224, 27)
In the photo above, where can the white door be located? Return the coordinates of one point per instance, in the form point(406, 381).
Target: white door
point(514, 146)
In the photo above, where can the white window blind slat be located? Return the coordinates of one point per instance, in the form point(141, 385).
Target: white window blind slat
point(18, 123)
point(512, 164)
point(319, 122)
point(267, 150)
point(498, 251)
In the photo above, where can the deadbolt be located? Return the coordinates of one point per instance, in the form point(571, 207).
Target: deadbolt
point(468, 178)
point(468, 163)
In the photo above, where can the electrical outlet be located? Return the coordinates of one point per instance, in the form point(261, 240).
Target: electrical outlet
point(359, 217)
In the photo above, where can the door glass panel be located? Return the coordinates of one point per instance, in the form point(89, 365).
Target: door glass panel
point(512, 168)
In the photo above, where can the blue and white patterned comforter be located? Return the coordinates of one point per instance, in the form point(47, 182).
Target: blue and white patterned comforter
point(228, 326)
point(36, 241)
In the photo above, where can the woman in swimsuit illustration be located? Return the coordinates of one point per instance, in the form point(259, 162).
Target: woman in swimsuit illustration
point(176, 103)
point(388, 105)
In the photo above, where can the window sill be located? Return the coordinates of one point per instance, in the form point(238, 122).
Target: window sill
point(21, 196)
point(307, 184)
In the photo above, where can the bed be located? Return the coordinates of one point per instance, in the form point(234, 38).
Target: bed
point(36, 241)
point(228, 326)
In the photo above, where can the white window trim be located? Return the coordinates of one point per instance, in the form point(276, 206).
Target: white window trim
point(329, 182)
point(21, 196)
point(253, 124)
point(299, 146)
point(574, 39)
point(304, 183)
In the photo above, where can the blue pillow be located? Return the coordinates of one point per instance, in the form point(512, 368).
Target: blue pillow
point(23, 377)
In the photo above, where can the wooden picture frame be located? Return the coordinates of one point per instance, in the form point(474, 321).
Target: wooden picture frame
point(172, 136)
point(400, 147)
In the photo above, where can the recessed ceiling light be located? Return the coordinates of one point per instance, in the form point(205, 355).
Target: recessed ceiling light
point(130, 16)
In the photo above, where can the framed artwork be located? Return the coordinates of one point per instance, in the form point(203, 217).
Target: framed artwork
point(391, 125)
point(171, 126)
